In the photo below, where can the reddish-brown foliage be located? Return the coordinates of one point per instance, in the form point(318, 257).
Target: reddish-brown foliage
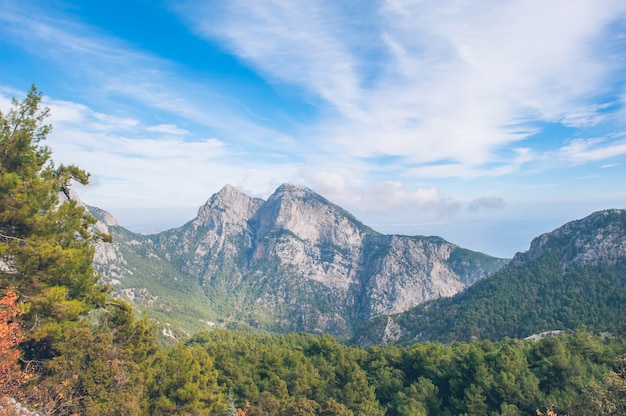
point(244, 411)
point(12, 377)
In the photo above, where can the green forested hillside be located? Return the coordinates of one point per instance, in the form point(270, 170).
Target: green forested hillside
point(177, 302)
point(519, 301)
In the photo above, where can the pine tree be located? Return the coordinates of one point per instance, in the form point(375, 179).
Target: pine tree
point(45, 251)
point(183, 380)
point(90, 350)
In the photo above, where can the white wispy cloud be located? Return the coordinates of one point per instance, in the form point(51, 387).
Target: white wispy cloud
point(381, 197)
point(153, 167)
point(455, 81)
point(170, 129)
point(586, 116)
point(115, 75)
point(454, 88)
point(159, 171)
point(300, 43)
point(71, 112)
point(134, 159)
point(591, 150)
point(486, 202)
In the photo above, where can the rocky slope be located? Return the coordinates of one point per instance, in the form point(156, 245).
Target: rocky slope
point(573, 276)
point(597, 238)
point(293, 262)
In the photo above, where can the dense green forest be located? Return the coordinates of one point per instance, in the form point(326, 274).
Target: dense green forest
point(68, 347)
point(309, 375)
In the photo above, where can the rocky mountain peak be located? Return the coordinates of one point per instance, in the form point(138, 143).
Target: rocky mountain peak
point(308, 216)
point(228, 189)
point(103, 216)
point(599, 237)
point(227, 197)
point(293, 190)
point(229, 209)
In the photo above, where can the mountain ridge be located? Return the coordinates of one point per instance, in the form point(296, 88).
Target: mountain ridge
point(572, 276)
point(295, 261)
point(607, 244)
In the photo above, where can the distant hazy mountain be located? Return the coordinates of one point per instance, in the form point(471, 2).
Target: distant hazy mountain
point(295, 262)
point(573, 276)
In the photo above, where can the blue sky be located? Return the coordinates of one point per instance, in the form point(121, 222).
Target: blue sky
point(485, 122)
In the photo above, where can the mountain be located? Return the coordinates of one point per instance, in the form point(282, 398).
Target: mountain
point(573, 276)
point(295, 262)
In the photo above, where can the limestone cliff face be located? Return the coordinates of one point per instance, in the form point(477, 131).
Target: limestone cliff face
point(311, 237)
point(107, 258)
point(408, 271)
point(299, 262)
point(227, 212)
point(211, 242)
